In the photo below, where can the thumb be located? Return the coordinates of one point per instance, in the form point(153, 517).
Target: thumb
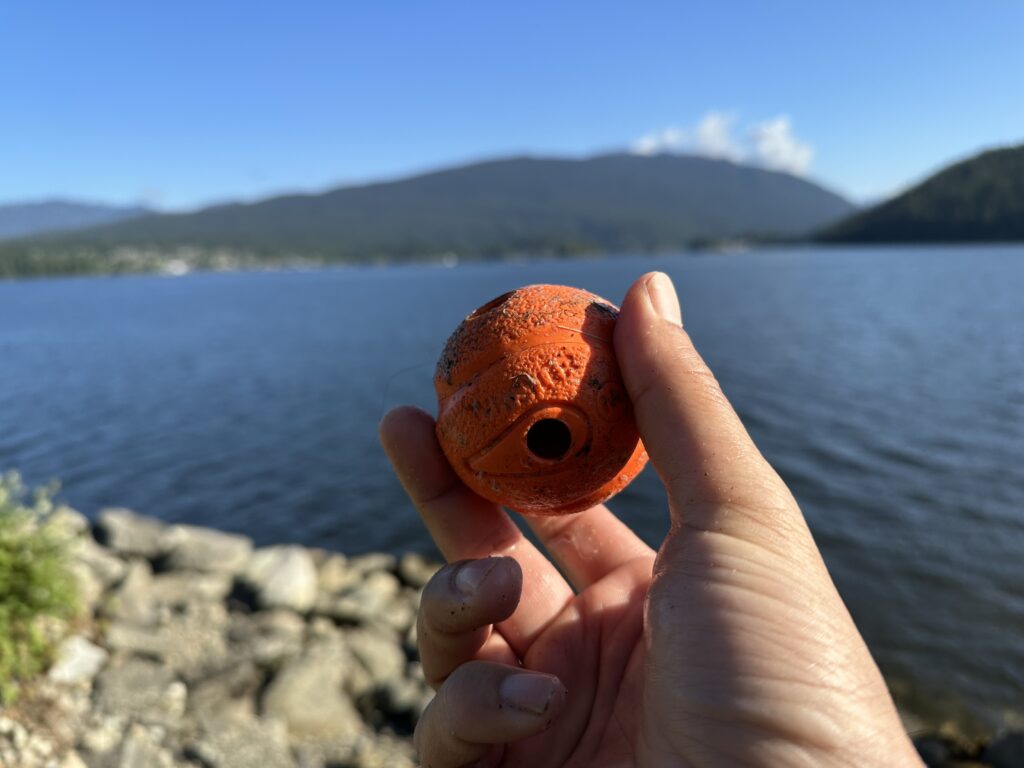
point(697, 443)
point(748, 637)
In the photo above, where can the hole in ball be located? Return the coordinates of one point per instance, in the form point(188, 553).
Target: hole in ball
point(491, 305)
point(549, 439)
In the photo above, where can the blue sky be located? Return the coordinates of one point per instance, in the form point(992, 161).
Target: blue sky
point(181, 104)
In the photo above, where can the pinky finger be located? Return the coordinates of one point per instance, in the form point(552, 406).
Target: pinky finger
point(481, 706)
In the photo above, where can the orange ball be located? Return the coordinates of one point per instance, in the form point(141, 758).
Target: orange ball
point(532, 412)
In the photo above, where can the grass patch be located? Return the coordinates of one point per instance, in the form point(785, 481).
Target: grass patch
point(35, 583)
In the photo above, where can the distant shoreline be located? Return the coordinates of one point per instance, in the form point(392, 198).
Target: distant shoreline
point(180, 262)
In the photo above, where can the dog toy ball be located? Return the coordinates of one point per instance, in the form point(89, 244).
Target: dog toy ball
point(532, 412)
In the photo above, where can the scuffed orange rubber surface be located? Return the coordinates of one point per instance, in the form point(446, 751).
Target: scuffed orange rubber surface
point(539, 353)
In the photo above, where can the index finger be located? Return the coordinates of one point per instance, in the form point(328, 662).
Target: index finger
point(467, 527)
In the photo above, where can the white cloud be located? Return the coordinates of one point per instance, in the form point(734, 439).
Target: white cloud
point(770, 143)
point(665, 140)
point(777, 148)
point(713, 137)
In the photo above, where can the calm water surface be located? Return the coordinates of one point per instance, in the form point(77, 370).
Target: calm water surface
point(887, 386)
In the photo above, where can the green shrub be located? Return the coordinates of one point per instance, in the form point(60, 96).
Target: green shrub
point(35, 582)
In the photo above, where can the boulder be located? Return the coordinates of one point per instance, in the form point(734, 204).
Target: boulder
point(106, 568)
point(129, 534)
point(229, 696)
point(281, 622)
point(177, 588)
point(379, 653)
point(404, 697)
point(371, 562)
point(13, 739)
point(87, 586)
point(243, 744)
point(78, 661)
point(191, 643)
point(141, 689)
point(266, 638)
point(101, 737)
point(385, 752)
point(72, 760)
point(400, 614)
point(416, 570)
point(282, 577)
point(132, 600)
point(308, 695)
point(67, 522)
point(190, 547)
point(333, 573)
point(141, 749)
point(362, 602)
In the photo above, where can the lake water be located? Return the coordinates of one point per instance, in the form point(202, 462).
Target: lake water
point(886, 385)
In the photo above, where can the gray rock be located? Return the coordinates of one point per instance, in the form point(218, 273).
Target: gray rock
point(281, 622)
point(72, 760)
point(369, 750)
point(78, 661)
point(132, 600)
point(372, 562)
point(108, 569)
point(320, 627)
point(227, 696)
point(308, 696)
point(416, 570)
point(102, 735)
point(283, 577)
point(66, 707)
point(1006, 751)
point(87, 585)
point(400, 614)
point(177, 588)
point(14, 732)
point(141, 689)
point(189, 547)
point(67, 522)
point(379, 653)
point(127, 533)
point(334, 575)
point(385, 752)
point(364, 601)
point(403, 696)
point(191, 643)
point(20, 748)
point(266, 637)
point(244, 744)
point(145, 600)
point(141, 749)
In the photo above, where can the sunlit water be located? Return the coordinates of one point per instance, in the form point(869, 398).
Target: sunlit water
point(887, 387)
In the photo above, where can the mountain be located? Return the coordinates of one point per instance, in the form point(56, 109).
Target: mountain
point(24, 219)
point(980, 199)
point(615, 202)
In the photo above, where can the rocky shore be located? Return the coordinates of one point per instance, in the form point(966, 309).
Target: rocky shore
point(196, 649)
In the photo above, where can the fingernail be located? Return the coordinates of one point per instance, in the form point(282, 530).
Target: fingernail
point(469, 576)
point(528, 692)
point(663, 297)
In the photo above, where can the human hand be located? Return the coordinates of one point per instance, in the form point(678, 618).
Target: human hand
point(729, 646)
